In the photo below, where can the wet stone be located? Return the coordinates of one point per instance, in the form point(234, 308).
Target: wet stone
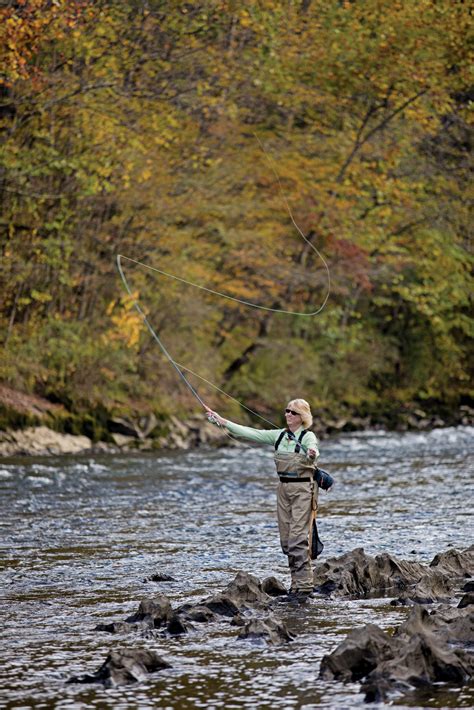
point(117, 627)
point(177, 626)
point(273, 587)
point(455, 563)
point(156, 611)
point(424, 650)
point(246, 589)
point(361, 652)
point(269, 630)
point(358, 575)
point(160, 578)
point(199, 614)
point(466, 600)
point(123, 667)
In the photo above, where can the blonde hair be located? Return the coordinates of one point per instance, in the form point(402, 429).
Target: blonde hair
point(304, 410)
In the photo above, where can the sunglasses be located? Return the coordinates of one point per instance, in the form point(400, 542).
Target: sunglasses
point(292, 411)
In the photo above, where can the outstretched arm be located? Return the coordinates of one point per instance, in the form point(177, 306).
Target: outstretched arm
point(262, 436)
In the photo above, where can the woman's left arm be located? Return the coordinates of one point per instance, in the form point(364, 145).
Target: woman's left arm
point(311, 443)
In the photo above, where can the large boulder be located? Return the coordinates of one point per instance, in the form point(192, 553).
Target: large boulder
point(41, 441)
point(360, 653)
point(453, 625)
point(356, 574)
point(425, 649)
point(455, 563)
point(421, 661)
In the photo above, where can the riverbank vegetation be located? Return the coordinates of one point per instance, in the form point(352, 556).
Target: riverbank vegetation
point(132, 127)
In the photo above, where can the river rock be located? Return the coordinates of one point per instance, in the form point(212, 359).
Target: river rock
point(244, 592)
point(434, 586)
point(269, 630)
point(154, 612)
point(425, 649)
point(361, 652)
point(199, 614)
point(273, 587)
point(455, 563)
point(466, 600)
point(123, 667)
point(41, 441)
point(117, 627)
point(356, 574)
point(160, 577)
point(420, 662)
point(177, 625)
point(451, 624)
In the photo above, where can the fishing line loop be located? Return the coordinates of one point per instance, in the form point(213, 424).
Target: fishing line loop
point(181, 369)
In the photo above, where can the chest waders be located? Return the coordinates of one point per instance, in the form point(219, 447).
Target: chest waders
point(296, 510)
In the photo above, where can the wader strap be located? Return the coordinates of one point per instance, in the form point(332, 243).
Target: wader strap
point(312, 521)
point(294, 479)
point(286, 431)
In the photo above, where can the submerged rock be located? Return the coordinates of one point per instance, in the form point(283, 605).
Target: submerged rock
point(269, 630)
point(116, 627)
point(159, 577)
point(244, 592)
point(200, 614)
point(123, 667)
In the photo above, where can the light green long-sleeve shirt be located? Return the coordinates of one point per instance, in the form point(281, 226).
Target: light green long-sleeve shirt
point(269, 436)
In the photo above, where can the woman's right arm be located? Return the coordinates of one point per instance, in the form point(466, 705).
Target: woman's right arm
point(262, 436)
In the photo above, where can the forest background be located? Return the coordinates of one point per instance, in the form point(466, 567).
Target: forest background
point(131, 128)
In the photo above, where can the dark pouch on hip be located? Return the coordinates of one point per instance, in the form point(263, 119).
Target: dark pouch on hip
point(323, 479)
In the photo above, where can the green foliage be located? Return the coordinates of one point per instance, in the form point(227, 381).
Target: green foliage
point(130, 128)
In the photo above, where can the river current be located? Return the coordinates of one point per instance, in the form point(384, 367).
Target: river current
point(80, 536)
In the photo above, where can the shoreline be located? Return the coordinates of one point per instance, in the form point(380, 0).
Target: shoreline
point(31, 425)
point(185, 435)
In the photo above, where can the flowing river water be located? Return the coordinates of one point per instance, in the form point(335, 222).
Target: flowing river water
point(80, 535)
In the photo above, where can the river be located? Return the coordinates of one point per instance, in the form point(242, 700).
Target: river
point(80, 535)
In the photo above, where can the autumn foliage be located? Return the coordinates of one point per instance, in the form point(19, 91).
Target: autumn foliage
point(136, 128)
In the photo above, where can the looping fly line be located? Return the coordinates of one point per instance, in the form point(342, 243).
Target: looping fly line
point(180, 369)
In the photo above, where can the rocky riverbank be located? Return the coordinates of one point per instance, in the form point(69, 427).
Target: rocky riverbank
point(33, 426)
point(45, 441)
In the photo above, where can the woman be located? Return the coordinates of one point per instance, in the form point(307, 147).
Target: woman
point(296, 492)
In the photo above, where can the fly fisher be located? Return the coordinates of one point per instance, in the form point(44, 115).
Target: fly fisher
point(296, 452)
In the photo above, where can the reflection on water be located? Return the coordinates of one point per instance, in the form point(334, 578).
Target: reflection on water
point(81, 535)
